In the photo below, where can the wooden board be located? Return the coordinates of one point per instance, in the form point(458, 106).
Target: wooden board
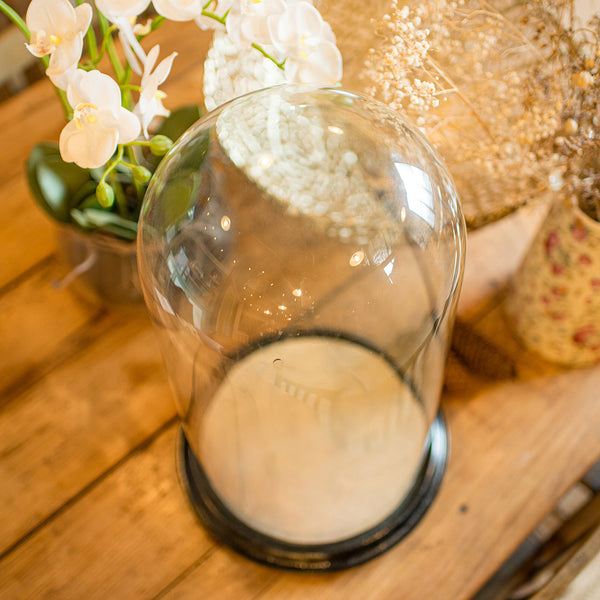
point(110, 391)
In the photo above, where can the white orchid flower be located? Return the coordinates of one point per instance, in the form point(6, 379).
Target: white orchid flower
point(301, 34)
point(247, 21)
point(57, 29)
point(116, 9)
point(99, 121)
point(134, 53)
point(322, 66)
point(123, 13)
point(179, 10)
point(150, 103)
point(218, 8)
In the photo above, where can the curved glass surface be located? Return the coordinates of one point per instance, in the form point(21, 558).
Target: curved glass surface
point(301, 253)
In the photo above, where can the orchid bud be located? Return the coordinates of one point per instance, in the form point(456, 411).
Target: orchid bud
point(141, 174)
point(105, 194)
point(160, 145)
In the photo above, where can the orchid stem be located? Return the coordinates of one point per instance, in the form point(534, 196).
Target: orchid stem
point(281, 64)
point(114, 59)
point(126, 89)
point(62, 96)
point(111, 49)
point(112, 165)
point(120, 199)
point(131, 87)
point(210, 15)
point(139, 188)
point(156, 23)
point(115, 184)
point(105, 37)
point(223, 19)
point(92, 44)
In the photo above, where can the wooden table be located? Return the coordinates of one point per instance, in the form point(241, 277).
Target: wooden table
point(90, 503)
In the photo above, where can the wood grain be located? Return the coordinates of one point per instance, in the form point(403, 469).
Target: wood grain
point(109, 395)
point(37, 319)
point(21, 215)
point(233, 576)
point(151, 540)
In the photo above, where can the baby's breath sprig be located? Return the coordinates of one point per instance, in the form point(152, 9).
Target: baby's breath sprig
point(508, 91)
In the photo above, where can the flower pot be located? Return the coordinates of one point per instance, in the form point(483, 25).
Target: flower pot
point(102, 268)
point(553, 301)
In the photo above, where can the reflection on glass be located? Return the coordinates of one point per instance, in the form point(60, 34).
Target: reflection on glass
point(419, 192)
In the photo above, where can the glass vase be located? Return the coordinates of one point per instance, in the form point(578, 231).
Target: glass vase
point(301, 252)
point(553, 301)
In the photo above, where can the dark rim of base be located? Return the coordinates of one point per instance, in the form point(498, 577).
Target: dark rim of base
point(233, 532)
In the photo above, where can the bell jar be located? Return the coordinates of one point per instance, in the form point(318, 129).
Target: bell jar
point(301, 253)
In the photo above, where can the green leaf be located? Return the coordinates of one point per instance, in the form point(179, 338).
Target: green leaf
point(53, 182)
point(87, 190)
point(92, 218)
point(179, 196)
point(185, 181)
point(90, 202)
point(81, 220)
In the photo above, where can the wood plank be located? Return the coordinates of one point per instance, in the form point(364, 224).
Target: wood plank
point(26, 232)
point(129, 536)
point(485, 417)
point(493, 253)
point(30, 117)
point(78, 421)
point(36, 321)
point(233, 576)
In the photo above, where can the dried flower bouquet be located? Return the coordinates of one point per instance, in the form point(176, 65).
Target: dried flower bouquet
point(508, 91)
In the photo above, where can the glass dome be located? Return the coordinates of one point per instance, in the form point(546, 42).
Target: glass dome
point(301, 252)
